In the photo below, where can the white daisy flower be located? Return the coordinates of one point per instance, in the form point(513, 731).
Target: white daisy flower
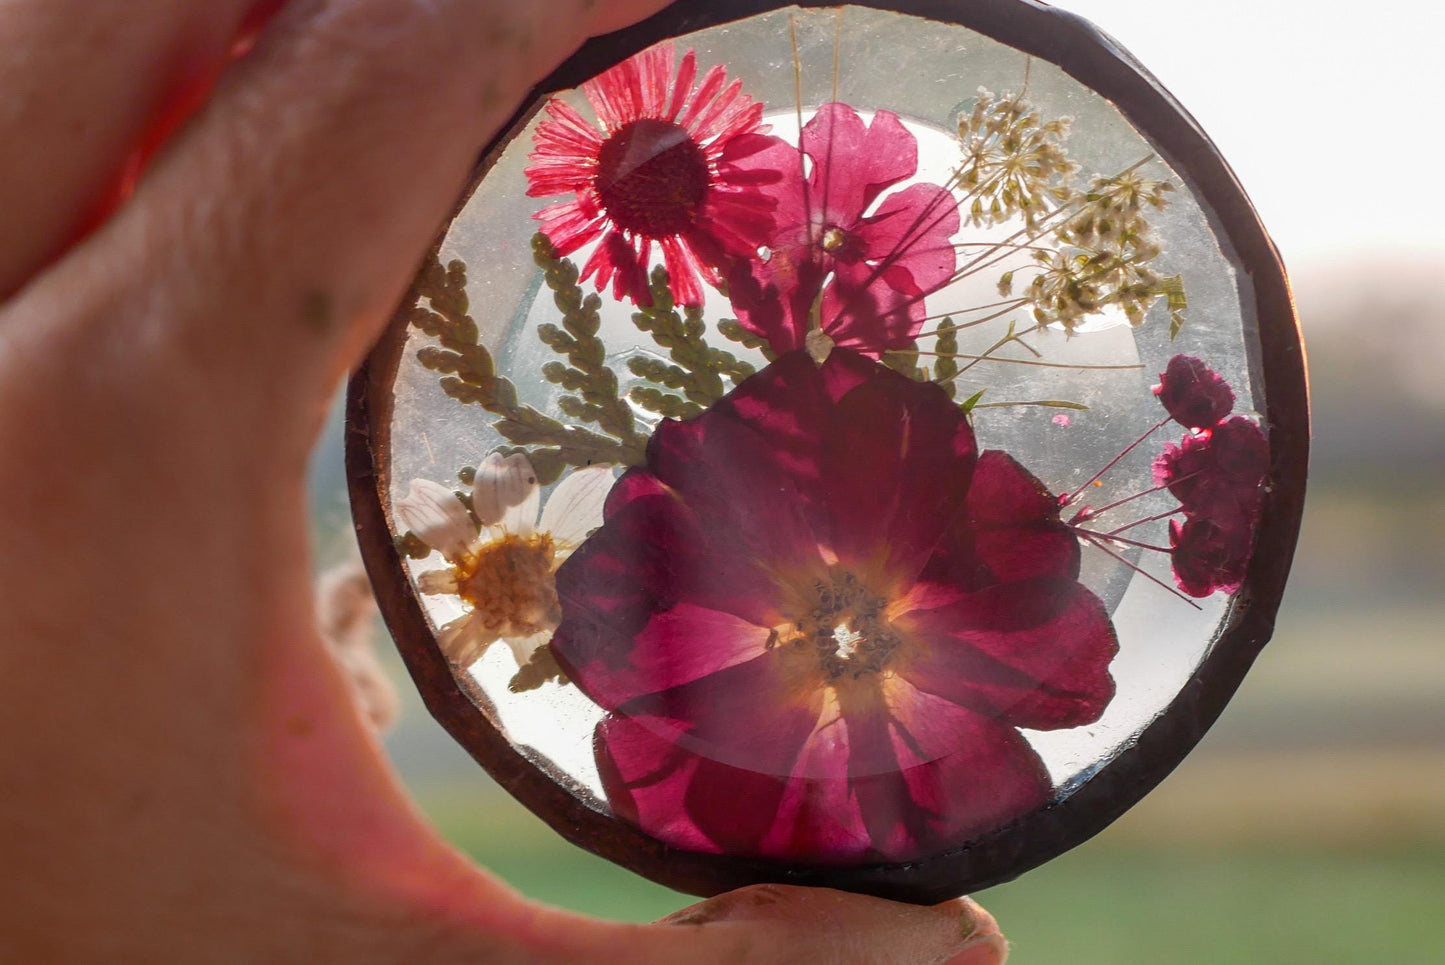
point(504, 572)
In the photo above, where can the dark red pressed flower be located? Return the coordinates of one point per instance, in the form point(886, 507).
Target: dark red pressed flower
point(872, 270)
point(1209, 557)
point(664, 170)
point(1193, 393)
point(818, 618)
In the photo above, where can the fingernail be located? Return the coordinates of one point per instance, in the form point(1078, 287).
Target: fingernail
point(968, 921)
point(982, 943)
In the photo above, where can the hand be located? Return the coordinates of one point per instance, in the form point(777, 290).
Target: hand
point(185, 777)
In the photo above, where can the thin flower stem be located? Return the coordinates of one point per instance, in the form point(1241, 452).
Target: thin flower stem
point(1086, 514)
point(798, 100)
point(976, 308)
point(1127, 542)
point(1044, 403)
point(1009, 336)
point(1093, 540)
point(987, 358)
point(1115, 461)
point(993, 245)
point(837, 49)
point(1147, 519)
point(990, 258)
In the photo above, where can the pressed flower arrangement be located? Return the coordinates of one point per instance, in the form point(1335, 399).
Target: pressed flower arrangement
point(792, 468)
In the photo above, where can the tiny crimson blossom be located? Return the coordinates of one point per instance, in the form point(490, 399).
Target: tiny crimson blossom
point(663, 170)
point(859, 277)
point(1193, 393)
point(1217, 472)
point(504, 570)
point(818, 618)
point(1208, 557)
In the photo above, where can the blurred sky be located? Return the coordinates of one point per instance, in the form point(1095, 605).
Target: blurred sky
point(1328, 112)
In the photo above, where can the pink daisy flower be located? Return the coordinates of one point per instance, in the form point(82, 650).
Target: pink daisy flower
point(663, 170)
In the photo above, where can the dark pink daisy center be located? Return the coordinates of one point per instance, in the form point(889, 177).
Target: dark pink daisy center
point(652, 177)
point(845, 626)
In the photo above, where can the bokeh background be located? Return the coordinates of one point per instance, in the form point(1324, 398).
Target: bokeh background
point(1309, 826)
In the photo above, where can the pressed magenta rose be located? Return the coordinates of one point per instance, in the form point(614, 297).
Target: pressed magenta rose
point(818, 618)
point(663, 173)
point(865, 269)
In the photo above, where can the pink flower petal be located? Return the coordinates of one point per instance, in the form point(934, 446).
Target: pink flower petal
point(913, 230)
point(869, 312)
point(696, 728)
point(682, 87)
point(852, 163)
point(928, 775)
point(897, 457)
point(1033, 654)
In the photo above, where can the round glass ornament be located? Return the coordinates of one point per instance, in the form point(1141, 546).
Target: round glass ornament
point(858, 446)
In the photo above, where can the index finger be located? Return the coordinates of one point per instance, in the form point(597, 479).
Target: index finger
point(83, 83)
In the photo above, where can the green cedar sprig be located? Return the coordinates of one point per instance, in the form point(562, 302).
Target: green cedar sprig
point(541, 668)
point(699, 369)
point(594, 385)
point(945, 370)
point(733, 330)
point(470, 376)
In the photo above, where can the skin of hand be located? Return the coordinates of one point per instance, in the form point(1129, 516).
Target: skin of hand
point(184, 775)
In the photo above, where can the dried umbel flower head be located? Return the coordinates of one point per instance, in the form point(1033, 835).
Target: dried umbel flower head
point(1101, 258)
point(1014, 162)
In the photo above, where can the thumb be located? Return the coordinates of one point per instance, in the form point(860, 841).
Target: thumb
point(765, 924)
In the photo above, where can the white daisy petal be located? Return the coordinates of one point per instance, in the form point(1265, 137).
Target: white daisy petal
point(437, 517)
point(521, 519)
point(438, 582)
point(506, 491)
point(465, 640)
point(574, 509)
point(524, 647)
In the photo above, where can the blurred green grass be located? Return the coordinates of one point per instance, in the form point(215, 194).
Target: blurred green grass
point(1113, 901)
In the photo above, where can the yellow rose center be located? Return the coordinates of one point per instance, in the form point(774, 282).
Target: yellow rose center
point(846, 627)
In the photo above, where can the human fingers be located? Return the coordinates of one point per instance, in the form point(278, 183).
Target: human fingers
point(84, 84)
point(272, 239)
point(778, 924)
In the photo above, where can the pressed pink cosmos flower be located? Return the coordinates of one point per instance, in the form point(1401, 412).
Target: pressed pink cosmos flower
point(872, 266)
point(817, 619)
point(1193, 393)
point(662, 171)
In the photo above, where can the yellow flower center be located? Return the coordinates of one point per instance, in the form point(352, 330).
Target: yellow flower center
point(834, 239)
point(509, 584)
point(845, 625)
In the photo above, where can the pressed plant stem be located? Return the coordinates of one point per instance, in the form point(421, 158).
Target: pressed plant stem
point(1093, 540)
point(1115, 461)
point(1147, 519)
